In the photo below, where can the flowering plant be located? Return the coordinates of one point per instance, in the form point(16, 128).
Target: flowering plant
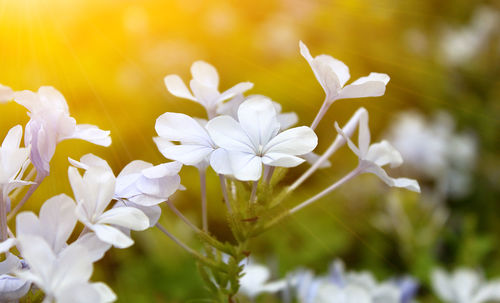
point(246, 141)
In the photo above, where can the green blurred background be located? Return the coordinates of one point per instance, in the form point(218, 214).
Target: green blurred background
point(109, 58)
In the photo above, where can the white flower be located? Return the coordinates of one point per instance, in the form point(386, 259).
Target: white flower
point(254, 140)
point(93, 193)
point(50, 123)
point(333, 74)
point(13, 161)
point(6, 93)
point(63, 277)
point(373, 157)
point(204, 86)
point(464, 286)
point(230, 108)
point(144, 184)
point(196, 146)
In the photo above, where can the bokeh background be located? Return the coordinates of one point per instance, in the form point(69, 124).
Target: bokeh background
point(442, 106)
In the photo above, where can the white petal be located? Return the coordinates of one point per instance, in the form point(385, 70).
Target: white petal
point(384, 153)
point(338, 67)
point(245, 166)
point(58, 219)
point(304, 51)
point(363, 135)
point(176, 87)
point(6, 93)
point(73, 266)
point(112, 235)
point(152, 212)
point(228, 134)
point(257, 117)
point(287, 120)
point(128, 217)
point(326, 77)
point(220, 162)
point(207, 96)
point(106, 294)
point(92, 134)
point(282, 160)
point(13, 137)
point(12, 289)
point(6, 245)
point(372, 85)
point(163, 170)
point(409, 184)
point(295, 141)
point(205, 74)
point(38, 254)
point(237, 89)
point(135, 167)
point(488, 292)
point(187, 154)
point(95, 247)
point(180, 127)
point(349, 142)
point(52, 98)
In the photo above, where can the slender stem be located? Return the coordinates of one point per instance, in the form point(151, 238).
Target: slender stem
point(224, 192)
point(326, 191)
point(253, 195)
point(322, 111)
point(31, 190)
point(191, 251)
point(336, 144)
point(268, 173)
point(286, 214)
point(18, 190)
point(3, 217)
point(203, 192)
point(182, 217)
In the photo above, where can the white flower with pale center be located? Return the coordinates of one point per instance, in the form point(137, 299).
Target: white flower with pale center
point(204, 87)
point(464, 286)
point(333, 74)
point(13, 161)
point(6, 93)
point(255, 139)
point(93, 193)
point(50, 123)
point(63, 277)
point(373, 157)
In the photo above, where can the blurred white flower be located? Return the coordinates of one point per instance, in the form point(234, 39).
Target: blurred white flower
point(50, 123)
point(254, 140)
point(460, 45)
point(333, 74)
point(464, 286)
point(93, 193)
point(256, 281)
point(6, 93)
point(373, 157)
point(63, 277)
point(204, 86)
point(433, 149)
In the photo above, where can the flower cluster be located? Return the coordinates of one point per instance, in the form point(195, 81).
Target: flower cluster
point(107, 207)
point(245, 140)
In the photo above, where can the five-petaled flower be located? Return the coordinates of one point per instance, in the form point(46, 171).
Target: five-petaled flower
point(255, 139)
point(205, 87)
